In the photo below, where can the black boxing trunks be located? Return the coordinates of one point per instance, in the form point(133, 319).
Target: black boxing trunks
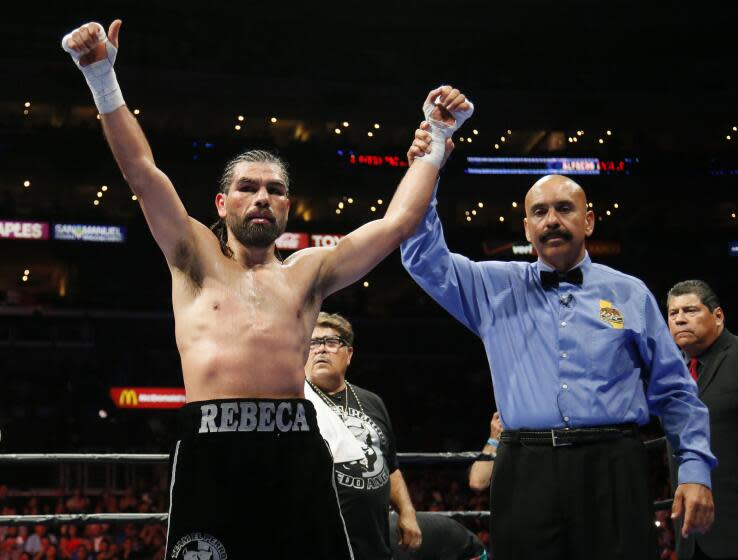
point(253, 479)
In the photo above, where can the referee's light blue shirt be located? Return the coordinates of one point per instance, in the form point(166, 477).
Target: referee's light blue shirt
point(588, 355)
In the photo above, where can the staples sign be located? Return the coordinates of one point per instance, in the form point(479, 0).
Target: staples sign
point(24, 230)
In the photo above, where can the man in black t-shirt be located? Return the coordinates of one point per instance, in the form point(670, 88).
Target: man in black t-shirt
point(366, 488)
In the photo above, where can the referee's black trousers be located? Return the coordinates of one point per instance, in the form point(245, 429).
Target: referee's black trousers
point(588, 501)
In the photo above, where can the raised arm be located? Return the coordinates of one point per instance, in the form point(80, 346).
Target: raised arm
point(94, 54)
point(364, 248)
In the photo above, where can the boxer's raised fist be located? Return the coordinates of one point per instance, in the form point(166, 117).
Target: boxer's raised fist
point(87, 44)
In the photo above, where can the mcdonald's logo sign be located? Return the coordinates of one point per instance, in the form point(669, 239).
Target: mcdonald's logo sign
point(128, 397)
point(148, 397)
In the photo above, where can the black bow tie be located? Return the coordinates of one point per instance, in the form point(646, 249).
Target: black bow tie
point(553, 278)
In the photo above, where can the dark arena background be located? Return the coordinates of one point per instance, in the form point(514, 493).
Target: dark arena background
point(636, 100)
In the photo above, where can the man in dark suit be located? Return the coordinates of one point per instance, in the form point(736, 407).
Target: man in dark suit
point(697, 323)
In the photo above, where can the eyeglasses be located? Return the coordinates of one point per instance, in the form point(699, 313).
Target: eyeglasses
point(331, 343)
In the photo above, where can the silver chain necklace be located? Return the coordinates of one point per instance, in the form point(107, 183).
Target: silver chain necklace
point(342, 411)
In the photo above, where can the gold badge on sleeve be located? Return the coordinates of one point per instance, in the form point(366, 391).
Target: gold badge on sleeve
point(611, 315)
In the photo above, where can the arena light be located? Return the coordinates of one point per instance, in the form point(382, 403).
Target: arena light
point(96, 202)
point(99, 194)
point(26, 272)
point(575, 139)
point(733, 215)
point(25, 112)
point(350, 200)
point(461, 139)
point(104, 188)
point(366, 284)
point(570, 139)
point(514, 204)
point(467, 212)
point(502, 138)
point(468, 218)
point(735, 129)
point(497, 146)
point(380, 201)
point(502, 218)
point(590, 205)
point(480, 204)
point(27, 104)
point(600, 140)
point(137, 111)
point(102, 413)
point(370, 134)
point(580, 133)
point(376, 126)
point(338, 210)
point(237, 127)
point(340, 205)
point(345, 124)
point(337, 131)
point(474, 212)
point(509, 132)
point(373, 208)
point(273, 120)
point(609, 132)
point(240, 118)
point(469, 140)
point(727, 137)
point(134, 198)
point(608, 212)
point(616, 206)
point(26, 183)
point(24, 278)
point(475, 132)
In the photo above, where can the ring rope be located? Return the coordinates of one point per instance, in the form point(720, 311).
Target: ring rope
point(463, 457)
point(91, 518)
point(153, 458)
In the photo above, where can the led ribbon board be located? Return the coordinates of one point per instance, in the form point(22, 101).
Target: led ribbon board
point(489, 165)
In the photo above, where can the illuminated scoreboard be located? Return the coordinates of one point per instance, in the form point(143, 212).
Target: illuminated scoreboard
point(487, 165)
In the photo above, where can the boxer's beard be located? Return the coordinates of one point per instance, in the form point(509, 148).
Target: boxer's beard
point(255, 235)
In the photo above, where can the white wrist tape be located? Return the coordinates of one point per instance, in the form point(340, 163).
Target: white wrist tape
point(100, 75)
point(441, 131)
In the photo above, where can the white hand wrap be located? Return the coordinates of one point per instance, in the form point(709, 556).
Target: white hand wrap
point(441, 131)
point(100, 75)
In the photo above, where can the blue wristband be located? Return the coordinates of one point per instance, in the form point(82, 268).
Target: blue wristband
point(493, 442)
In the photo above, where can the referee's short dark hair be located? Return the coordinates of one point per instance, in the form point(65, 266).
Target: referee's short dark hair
point(700, 288)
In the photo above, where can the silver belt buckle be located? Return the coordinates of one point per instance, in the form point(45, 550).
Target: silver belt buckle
point(554, 440)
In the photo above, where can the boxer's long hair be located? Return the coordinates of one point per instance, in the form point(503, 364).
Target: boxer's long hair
point(251, 156)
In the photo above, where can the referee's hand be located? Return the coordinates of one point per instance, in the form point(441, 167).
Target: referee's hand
point(694, 501)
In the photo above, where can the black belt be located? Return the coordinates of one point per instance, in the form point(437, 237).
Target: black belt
point(558, 437)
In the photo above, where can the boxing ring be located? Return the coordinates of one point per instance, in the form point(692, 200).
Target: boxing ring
point(459, 458)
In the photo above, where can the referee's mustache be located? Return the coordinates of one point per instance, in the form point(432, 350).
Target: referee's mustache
point(561, 233)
